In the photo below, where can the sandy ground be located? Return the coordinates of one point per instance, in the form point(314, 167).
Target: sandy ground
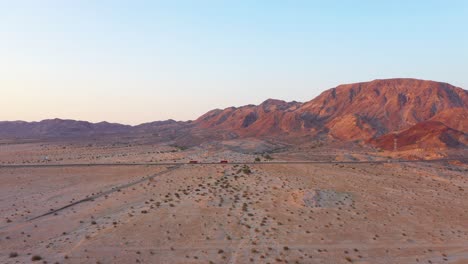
point(314, 213)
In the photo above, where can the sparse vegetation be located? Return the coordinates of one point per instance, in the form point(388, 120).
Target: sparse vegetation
point(232, 203)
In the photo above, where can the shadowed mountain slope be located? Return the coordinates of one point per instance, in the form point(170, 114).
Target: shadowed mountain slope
point(424, 135)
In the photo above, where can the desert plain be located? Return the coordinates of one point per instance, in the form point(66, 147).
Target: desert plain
point(129, 202)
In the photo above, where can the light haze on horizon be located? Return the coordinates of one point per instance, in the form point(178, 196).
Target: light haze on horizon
point(140, 61)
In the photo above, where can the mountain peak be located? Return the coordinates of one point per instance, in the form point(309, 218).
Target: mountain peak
point(271, 101)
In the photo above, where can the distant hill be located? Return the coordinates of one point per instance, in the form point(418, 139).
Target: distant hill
point(56, 128)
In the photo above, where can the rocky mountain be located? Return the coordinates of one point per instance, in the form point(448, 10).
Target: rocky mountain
point(268, 118)
point(359, 111)
point(363, 110)
point(347, 112)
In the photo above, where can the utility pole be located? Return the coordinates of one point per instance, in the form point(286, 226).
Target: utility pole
point(395, 143)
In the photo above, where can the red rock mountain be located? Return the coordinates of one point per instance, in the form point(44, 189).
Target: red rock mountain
point(347, 112)
point(268, 118)
point(374, 108)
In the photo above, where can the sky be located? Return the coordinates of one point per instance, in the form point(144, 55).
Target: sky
point(140, 61)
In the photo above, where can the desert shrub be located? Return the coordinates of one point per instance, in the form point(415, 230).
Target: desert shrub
point(36, 258)
point(13, 255)
point(246, 169)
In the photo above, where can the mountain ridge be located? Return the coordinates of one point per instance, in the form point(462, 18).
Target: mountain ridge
point(347, 112)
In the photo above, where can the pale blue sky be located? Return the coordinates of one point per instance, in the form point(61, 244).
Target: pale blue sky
point(140, 61)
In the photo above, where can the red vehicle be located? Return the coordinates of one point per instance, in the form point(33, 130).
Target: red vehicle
point(223, 161)
point(193, 162)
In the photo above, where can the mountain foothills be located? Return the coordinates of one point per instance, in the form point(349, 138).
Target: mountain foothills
point(417, 112)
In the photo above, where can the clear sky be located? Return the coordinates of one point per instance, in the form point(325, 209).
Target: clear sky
point(138, 61)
